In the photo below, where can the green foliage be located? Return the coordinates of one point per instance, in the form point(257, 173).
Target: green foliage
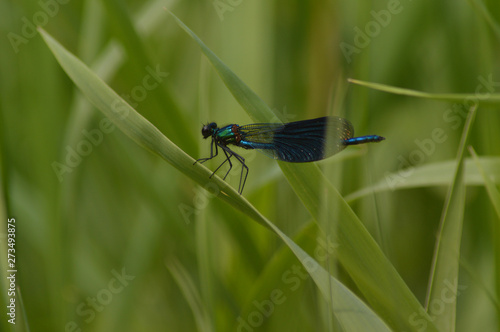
point(400, 235)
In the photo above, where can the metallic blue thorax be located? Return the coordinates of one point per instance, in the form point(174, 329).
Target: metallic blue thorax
point(228, 135)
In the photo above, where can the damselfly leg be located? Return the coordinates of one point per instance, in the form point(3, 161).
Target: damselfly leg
point(228, 153)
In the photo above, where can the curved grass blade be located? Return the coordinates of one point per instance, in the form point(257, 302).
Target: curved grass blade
point(349, 310)
point(488, 178)
point(435, 174)
point(358, 252)
point(494, 196)
point(446, 261)
point(483, 11)
point(23, 322)
point(493, 98)
point(281, 279)
point(256, 108)
point(126, 31)
point(354, 314)
point(188, 288)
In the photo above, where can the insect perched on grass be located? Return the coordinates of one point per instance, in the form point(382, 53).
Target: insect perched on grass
point(295, 142)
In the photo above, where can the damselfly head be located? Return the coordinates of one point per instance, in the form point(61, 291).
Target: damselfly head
point(208, 129)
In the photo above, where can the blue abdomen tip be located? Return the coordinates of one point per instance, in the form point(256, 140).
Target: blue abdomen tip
point(364, 139)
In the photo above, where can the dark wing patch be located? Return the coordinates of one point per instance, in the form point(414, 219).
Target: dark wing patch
point(300, 141)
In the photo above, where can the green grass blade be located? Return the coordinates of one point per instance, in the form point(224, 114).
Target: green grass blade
point(358, 252)
point(256, 108)
point(350, 311)
point(494, 196)
point(483, 11)
point(188, 288)
point(122, 25)
point(488, 182)
point(136, 126)
point(282, 278)
point(486, 98)
point(444, 273)
point(434, 174)
point(353, 311)
point(22, 323)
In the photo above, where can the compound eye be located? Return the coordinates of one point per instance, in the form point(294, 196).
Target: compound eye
point(208, 129)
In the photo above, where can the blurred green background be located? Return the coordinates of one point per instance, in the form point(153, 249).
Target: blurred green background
point(110, 237)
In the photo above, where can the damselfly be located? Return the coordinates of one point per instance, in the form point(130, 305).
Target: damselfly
point(295, 142)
